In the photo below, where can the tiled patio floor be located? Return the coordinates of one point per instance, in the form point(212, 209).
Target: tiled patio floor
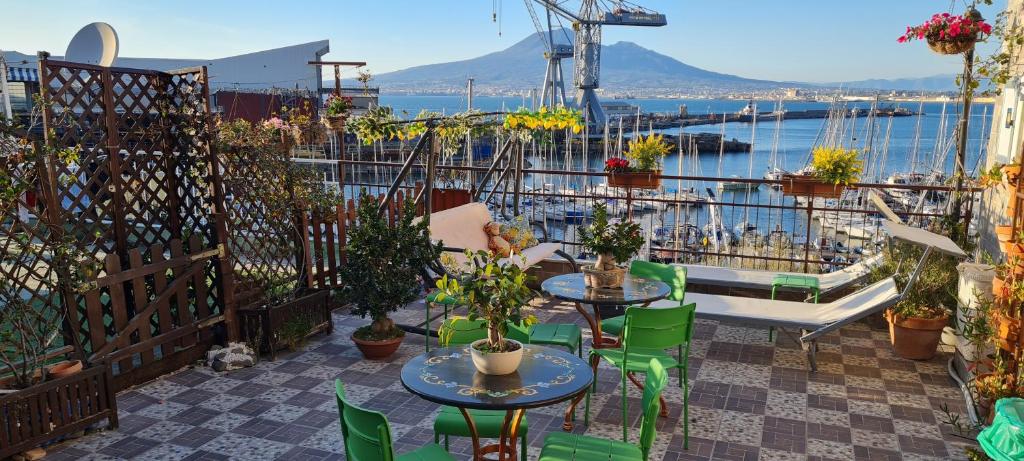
point(750, 400)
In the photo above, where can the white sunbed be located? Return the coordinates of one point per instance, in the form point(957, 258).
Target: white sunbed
point(762, 280)
point(814, 319)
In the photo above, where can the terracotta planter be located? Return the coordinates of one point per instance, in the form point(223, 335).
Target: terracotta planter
point(378, 350)
point(496, 363)
point(1000, 288)
point(1006, 330)
point(915, 338)
point(958, 46)
point(805, 185)
point(65, 368)
point(1004, 233)
point(1011, 172)
point(636, 179)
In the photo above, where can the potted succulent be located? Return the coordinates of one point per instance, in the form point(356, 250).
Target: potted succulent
point(641, 168)
point(382, 272)
point(495, 293)
point(336, 111)
point(613, 244)
point(948, 33)
point(832, 170)
point(917, 321)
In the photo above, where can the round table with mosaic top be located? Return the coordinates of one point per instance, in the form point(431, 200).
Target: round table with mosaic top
point(546, 376)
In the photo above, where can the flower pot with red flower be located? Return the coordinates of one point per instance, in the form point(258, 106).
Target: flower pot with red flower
point(948, 33)
point(336, 112)
point(282, 134)
point(641, 169)
point(832, 170)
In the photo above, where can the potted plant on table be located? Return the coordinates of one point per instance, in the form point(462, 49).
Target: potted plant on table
point(495, 293)
point(641, 168)
point(336, 110)
point(613, 244)
point(382, 272)
point(832, 170)
point(948, 33)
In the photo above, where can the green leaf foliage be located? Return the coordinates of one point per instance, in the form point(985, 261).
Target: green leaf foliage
point(622, 239)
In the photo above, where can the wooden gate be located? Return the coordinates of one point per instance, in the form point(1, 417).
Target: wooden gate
point(162, 308)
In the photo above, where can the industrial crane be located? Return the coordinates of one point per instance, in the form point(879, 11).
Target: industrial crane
point(553, 90)
point(586, 24)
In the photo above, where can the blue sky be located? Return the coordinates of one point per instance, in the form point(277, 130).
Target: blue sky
point(803, 40)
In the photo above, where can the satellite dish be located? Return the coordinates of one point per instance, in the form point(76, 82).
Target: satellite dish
point(94, 44)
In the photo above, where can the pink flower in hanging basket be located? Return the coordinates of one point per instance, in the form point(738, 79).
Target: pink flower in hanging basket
point(949, 27)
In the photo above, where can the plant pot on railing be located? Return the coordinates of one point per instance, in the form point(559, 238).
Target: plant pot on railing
point(335, 122)
point(635, 179)
point(806, 185)
point(954, 46)
point(46, 411)
point(273, 327)
point(915, 338)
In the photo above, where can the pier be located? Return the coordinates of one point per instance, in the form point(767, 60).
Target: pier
point(660, 121)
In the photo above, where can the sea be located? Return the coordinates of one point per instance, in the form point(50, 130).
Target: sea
point(931, 134)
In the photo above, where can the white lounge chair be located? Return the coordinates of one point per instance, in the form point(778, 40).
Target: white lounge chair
point(814, 319)
point(750, 279)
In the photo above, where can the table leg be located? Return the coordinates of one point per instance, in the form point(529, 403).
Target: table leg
point(594, 321)
point(477, 454)
point(570, 412)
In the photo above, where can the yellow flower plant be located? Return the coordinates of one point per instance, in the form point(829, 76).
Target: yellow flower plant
point(837, 165)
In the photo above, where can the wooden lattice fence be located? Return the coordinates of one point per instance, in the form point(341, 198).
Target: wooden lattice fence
point(144, 178)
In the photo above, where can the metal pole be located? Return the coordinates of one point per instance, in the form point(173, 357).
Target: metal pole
point(469, 93)
point(406, 167)
point(961, 145)
point(337, 80)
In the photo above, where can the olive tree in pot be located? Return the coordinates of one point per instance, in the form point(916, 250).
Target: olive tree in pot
point(613, 243)
point(382, 272)
point(495, 293)
point(917, 321)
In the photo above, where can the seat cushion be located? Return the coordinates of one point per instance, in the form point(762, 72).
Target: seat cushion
point(488, 422)
point(533, 255)
point(614, 325)
point(432, 452)
point(639, 359)
point(461, 227)
point(560, 334)
point(559, 446)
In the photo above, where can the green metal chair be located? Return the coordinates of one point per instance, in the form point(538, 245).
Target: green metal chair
point(450, 422)
point(368, 436)
point(567, 335)
point(560, 446)
point(674, 276)
point(647, 333)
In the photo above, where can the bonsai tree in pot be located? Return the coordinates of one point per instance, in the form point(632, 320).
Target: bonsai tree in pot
point(917, 321)
point(832, 169)
point(612, 243)
point(642, 166)
point(382, 273)
point(495, 293)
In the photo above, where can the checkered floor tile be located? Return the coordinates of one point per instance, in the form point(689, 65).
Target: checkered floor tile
point(750, 399)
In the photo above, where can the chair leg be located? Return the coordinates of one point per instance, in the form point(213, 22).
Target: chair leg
point(522, 447)
point(625, 411)
point(437, 438)
point(446, 443)
point(686, 410)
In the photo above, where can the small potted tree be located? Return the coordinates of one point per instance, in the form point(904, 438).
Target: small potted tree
point(613, 244)
point(917, 321)
point(336, 111)
point(641, 169)
point(382, 273)
point(495, 293)
point(832, 169)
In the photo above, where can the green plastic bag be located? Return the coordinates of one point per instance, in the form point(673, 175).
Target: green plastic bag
point(1004, 439)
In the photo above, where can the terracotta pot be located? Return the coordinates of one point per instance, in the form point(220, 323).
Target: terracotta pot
point(1004, 233)
point(65, 368)
point(496, 363)
point(806, 185)
point(636, 179)
point(1000, 289)
point(378, 350)
point(957, 46)
point(1011, 172)
point(1006, 330)
point(915, 338)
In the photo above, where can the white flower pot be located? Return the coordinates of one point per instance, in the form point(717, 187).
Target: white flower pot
point(496, 363)
point(975, 281)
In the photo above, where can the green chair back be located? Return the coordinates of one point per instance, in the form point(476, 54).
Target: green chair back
point(657, 379)
point(459, 331)
point(518, 332)
point(674, 276)
point(366, 433)
point(657, 328)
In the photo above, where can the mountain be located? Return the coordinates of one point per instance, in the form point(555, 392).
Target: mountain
point(945, 82)
point(625, 66)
